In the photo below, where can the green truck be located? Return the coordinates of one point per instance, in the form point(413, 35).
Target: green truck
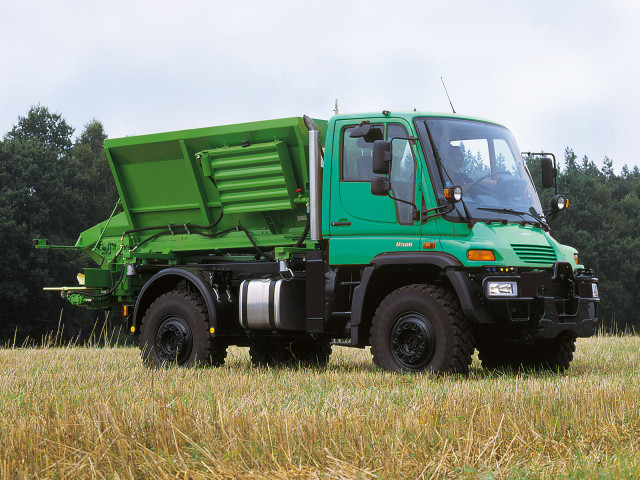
point(420, 235)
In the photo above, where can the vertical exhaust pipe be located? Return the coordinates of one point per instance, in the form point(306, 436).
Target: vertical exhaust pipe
point(315, 198)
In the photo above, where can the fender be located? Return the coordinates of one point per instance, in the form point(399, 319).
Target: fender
point(163, 282)
point(443, 261)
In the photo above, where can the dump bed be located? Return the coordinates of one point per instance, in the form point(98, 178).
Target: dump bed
point(254, 174)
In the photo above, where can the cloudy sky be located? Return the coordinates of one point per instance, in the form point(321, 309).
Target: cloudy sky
point(557, 73)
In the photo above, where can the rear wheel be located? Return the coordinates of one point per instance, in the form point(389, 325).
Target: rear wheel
point(175, 330)
point(554, 354)
point(266, 355)
point(305, 352)
point(421, 328)
point(312, 353)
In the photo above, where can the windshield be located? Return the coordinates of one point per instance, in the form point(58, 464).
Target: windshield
point(485, 161)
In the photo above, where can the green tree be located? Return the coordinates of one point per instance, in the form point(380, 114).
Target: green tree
point(602, 224)
point(100, 192)
point(50, 187)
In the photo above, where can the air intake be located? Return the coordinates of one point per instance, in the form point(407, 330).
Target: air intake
point(535, 254)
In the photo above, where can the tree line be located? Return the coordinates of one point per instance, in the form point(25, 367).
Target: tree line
point(54, 186)
point(603, 223)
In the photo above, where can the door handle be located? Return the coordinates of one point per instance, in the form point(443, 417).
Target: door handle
point(340, 224)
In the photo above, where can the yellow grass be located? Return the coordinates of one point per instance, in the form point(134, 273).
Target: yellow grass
point(76, 412)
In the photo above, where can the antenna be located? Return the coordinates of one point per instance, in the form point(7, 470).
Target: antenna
point(445, 91)
point(335, 109)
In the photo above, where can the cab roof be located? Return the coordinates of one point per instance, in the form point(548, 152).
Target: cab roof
point(409, 116)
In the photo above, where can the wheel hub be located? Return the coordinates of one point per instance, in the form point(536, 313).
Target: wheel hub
point(174, 340)
point(413, 341)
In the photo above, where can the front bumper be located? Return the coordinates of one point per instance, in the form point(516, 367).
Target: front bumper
point(546, 303)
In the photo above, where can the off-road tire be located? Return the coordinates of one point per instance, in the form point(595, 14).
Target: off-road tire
point(421, 328)
point(306, 353)
point(312, 353)
point(270, 355)
point(175, 330)
point(554, 354)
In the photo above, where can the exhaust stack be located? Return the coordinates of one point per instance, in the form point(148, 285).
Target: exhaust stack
point(315, 198)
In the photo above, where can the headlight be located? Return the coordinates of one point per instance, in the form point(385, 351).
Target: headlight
point(594, 290)
point(559, 202)
point(497, 288)
point(453, 194)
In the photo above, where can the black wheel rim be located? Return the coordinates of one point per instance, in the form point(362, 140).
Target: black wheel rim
point(413, 341)
point(174, 340)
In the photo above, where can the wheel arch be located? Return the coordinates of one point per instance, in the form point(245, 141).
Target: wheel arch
point(165, 281)
point(390, 271)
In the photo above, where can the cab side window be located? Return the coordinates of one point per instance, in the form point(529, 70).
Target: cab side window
point(357, 160)
point(357, 166)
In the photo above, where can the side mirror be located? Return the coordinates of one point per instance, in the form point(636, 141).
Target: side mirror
point(548, 172)
point(380, 186)
point(369, 133)
point(381, 157)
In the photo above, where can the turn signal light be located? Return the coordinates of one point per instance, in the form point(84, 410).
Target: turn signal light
point(481, 255)
point(453, 194)
point(575, 258)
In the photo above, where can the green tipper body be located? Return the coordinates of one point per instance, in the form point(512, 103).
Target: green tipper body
point(256, 173)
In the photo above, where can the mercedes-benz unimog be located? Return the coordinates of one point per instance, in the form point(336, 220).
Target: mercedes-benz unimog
point(420, 235)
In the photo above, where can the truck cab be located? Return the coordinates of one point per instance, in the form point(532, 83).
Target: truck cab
point(491, 248)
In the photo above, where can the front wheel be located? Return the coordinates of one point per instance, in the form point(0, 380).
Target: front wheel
point(420, 328)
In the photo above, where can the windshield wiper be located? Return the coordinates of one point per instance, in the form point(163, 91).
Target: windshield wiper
point(532, 214)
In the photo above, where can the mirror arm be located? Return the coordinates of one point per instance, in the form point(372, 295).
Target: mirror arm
point(436, 212)
point(415, 208)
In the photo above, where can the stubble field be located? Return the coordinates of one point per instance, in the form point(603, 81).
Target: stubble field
point(72, 412)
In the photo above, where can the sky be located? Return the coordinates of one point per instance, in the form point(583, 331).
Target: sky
point(556, 73)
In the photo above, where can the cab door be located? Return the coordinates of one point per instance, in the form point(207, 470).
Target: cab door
point(363, 225)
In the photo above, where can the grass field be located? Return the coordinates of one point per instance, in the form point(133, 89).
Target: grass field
point(71, 412)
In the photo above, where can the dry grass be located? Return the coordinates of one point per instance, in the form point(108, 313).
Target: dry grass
point(71, 412)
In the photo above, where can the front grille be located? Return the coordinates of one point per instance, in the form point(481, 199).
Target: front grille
point(535, 254)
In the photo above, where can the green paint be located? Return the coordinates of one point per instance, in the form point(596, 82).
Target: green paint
point(257, 174)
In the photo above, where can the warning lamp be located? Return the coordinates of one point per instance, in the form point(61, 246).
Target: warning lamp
point(453, 194)
point(481, 255)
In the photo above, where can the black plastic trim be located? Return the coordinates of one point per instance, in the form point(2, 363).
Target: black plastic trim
point(439, 259)
point(460, 281)
point(183, 273)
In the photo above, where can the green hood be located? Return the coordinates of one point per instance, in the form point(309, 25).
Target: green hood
point(512, 244)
